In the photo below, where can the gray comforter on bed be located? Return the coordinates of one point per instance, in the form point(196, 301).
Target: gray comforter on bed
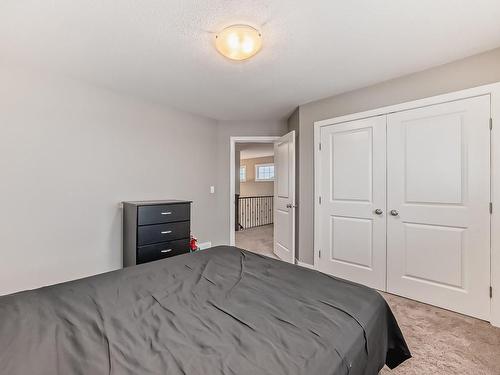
point(218, 311)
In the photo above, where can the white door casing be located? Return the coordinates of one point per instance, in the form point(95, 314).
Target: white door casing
point(352, 190)
point(233, 141)
point(284, 197)
point(438, 242)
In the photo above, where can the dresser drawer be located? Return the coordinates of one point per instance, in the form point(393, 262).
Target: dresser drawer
point(166, 213)
point(162, 250)
point(149, 234)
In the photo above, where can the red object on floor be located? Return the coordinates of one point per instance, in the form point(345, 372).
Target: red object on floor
point(193, 244)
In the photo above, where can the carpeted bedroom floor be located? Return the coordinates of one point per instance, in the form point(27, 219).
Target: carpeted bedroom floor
point(441, 342)
point(258, 240)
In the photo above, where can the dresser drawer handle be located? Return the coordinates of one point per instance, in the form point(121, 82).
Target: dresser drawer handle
point(166, 232)
point(166, 251)
point(167, 213)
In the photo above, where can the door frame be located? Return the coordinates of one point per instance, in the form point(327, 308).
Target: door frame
point(491, 89)
point(232, 173)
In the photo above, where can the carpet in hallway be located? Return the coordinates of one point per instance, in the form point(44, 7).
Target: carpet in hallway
point(257, 240)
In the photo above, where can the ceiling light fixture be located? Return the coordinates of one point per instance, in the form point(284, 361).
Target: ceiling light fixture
point(238, 42)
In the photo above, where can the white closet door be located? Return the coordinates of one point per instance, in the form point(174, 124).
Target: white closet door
point(438, 248)
point(352, 218)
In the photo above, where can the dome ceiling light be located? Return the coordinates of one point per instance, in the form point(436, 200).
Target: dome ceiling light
point(238, 42)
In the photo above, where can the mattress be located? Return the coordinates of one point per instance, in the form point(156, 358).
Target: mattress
point(218, 311)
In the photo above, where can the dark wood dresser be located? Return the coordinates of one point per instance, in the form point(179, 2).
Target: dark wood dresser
point(155, 230)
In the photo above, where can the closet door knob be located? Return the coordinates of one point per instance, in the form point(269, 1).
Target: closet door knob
point(394, 212)
point(378, 211)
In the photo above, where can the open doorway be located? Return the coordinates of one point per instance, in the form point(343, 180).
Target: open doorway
point(254, 197)
point(262, 205)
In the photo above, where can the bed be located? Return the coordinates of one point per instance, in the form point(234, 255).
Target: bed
point(218, 311)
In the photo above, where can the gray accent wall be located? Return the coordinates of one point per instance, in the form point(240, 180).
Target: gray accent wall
point(466, 73)
point(70, 152)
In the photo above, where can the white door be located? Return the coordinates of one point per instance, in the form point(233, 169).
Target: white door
point(284, 197)
point(352, 217)
point(438, 162)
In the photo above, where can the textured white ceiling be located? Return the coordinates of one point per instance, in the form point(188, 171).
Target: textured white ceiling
point(162, 50)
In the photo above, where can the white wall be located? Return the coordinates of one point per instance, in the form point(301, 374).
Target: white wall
point(69, 153)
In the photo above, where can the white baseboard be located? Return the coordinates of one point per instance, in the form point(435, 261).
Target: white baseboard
point(205, 245)
point(302, 264)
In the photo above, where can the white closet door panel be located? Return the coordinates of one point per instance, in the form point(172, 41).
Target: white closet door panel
point(352, 241)
point(352, 187)
point(352, 162)
point(434, 145)
point(438, 181)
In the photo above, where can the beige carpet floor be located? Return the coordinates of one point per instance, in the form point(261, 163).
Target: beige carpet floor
point(257, 240)
point(441, 342)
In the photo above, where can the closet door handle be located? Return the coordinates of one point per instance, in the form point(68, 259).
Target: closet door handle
point(394, 212)
point(378, 211)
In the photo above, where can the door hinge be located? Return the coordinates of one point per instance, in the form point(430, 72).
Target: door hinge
point(320, 146)
point(319, 253)
point(319, 200)
point(491, 123)
point(491, 292)
point(491, 208)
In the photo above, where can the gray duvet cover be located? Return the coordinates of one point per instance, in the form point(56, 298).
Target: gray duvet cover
point(218, 311)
